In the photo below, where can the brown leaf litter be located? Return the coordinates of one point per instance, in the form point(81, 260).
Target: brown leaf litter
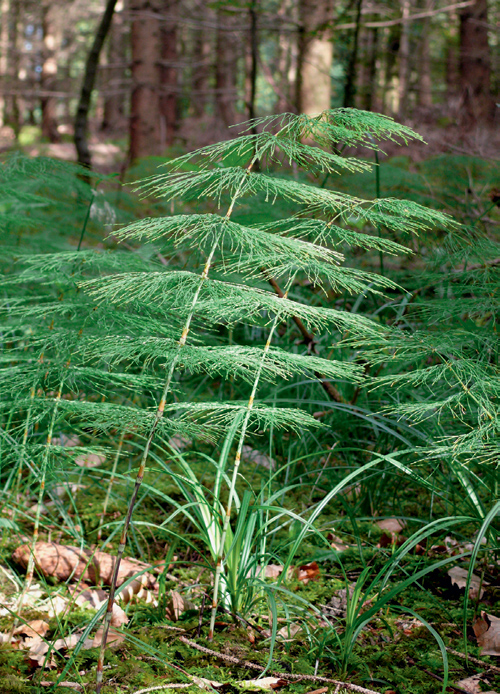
point(66, 562)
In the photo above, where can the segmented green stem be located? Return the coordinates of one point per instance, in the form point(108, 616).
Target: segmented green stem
point(17, 495)
point(111, 481)
point(237, 461)
point(158, 417)
point(30, 571)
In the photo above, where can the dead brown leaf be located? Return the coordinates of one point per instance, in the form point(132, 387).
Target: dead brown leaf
point(95, 599)
point(336, 543)
point(459, 578)
point(254, 456)
point(36, 627)
point(65, 561)
point(267, 683)
point(90, 460)
point(115, 638)
point(177, 605)
point(487, 631)
point(289, 631)
point(273, 570)
point(307, 572)
point(471, 684)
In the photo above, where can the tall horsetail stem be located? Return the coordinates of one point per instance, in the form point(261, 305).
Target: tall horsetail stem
point(158, 416)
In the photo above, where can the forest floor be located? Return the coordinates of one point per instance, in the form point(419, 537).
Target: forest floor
point(160, 628)
point(304, 628)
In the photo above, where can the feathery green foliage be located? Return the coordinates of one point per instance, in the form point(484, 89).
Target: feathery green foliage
point(150, 343)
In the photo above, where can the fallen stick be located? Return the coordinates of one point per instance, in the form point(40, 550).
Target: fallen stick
point(279, 675)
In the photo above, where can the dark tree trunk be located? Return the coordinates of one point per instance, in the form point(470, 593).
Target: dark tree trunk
point(404, 61)
point(114, 118)
point(474, 65)
point(350, 82)
point(145, 116)
point(226, 69)
point(169, 86)
point(200, 75)
point(253, 59)
point(367, 88)
point(51, 41)
point(424, 68)
point(82, 113)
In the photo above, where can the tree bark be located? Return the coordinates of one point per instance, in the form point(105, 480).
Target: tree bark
point(51, 43)
point(253, 59)
point(226, 69)
point(368, 84)
point(203, 49)
point(145, 116)
point(424, 70)
point(475, 65)
point(169, 87)
point(9, 64)
point(404, 59)
point(114, 99)
point(82, 113)
point(350, 82)
point(315, 55)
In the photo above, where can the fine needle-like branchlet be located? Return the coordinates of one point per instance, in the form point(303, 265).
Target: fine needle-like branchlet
point(145, 454)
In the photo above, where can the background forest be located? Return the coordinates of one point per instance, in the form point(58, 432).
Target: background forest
point(249, 378)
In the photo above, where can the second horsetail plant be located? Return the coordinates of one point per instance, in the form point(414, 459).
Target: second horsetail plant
point(143, 327)
point(273, 250)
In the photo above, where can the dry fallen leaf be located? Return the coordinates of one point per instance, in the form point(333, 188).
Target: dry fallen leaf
point(289, 631)
point(307, 572)
point(487, 631)
point(65, 561)
point(459, 578)
point(336, 543)
point(89, 460)
point(273, 570)
point(203, 683)
point(177, 605)
point(115, 638)
point(266, 683)
point(471, 684)
point(37, 627)
point(251, 455)
point(67, 441)
point(95, 599)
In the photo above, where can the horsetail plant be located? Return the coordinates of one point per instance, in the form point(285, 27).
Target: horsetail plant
point(144, 328)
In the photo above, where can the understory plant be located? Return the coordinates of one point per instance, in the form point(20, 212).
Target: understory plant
point(119, 345)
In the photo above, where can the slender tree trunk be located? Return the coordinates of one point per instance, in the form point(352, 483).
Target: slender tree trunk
point(253, 59)
point(389, 95)
point(475, 66)
point(145, 116)
point(314, 62)
point(203, 49)
point(51, 43)
point(424, 70)
point(404, 60)
point(82, 113)
point(368, 86)
point(226, 69)
point(169, 76)
point(4, 40)
point(350, 82)
point(9, 67)
point(114, 99)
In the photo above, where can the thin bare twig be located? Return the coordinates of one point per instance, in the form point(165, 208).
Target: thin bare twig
point(280, 675)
